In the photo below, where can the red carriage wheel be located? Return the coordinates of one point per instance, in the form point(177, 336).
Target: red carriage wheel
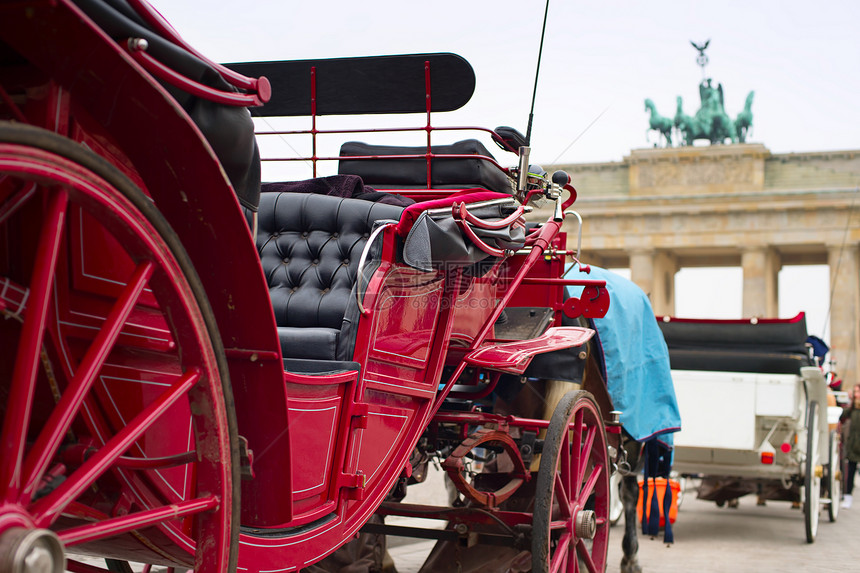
point(118, 429)
point(571, 514)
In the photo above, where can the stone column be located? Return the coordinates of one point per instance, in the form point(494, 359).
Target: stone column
point(844, 307)
point(760, 289)
point(642, 269)
point(663, 293)
point(654, 272)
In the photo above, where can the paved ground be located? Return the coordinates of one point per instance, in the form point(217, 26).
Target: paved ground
point(749, 538)
point(712, 539)
point(707, 539)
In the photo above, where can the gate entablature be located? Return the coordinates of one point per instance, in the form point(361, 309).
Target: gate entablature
point(660, 210)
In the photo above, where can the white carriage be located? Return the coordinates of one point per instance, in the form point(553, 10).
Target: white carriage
point(754, 406)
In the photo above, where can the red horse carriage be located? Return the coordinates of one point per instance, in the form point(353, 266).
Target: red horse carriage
point(197, 376)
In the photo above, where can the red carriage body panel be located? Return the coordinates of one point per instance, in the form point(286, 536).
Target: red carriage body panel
point(321, 450)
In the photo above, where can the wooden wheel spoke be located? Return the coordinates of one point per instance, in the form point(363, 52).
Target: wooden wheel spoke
point(115, 526)
point(584, 455)
point(563, 497)
point(571, 478)
point(18, 198)
point(585, 556)
point(574, 454)
point(564, 466)
point(112, 381)
point(70, 403)
point(588, 486)
point(17, 417)
point(49, 507)
point(560, 557)
point(157, 463)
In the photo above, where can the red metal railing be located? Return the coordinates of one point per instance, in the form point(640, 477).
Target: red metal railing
point(257, 91)
point(429, 156)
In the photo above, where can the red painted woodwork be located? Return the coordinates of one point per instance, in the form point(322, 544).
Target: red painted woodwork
point(144, 346)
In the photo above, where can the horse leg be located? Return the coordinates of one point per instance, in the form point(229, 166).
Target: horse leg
point(630, 542)
point(629, 499)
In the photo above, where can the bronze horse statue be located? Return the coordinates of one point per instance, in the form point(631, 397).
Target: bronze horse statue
point(711, 122)
point(743, 122)
point(659, 123)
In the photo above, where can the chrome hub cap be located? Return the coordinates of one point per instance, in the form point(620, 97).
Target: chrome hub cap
point(31, 551)
point(585, 524)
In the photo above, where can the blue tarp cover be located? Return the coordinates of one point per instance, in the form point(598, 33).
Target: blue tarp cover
point(638, 377)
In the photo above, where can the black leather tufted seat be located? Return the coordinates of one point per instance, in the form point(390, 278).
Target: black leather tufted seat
point(309, 247)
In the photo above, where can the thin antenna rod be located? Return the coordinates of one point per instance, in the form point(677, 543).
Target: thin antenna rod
point(537, 73)
point(835, 274)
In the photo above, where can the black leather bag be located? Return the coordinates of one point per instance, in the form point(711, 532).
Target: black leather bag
point(437, 240)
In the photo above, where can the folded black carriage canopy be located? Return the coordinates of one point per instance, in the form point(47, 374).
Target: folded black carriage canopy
point(366, 85)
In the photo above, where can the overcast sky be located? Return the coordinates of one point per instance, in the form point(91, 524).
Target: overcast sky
point(801, 58)
point(600, 61)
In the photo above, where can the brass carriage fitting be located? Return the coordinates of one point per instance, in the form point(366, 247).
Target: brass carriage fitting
point(819, 471)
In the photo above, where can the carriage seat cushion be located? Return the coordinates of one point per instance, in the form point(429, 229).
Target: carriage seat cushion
point(309, 247)
point(451, 173)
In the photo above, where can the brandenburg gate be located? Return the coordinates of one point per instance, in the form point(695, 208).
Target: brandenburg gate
point(737, 205)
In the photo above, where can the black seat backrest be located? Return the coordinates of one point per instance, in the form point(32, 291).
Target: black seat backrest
point(770, 347)
point(459, 172)
point(310, 247)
